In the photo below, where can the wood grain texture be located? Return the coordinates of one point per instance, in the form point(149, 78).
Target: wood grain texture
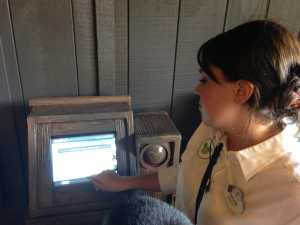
point(241, 11)
point(11, 171)
point(154, 123)
point(45, 47)
point(48, 200)
point(121, 45)
point(156, 129)
point(13, 187)
point(11, 72)
point(43, 172)
point(287, 13)
point(151, 56)
point(105, 46)
point(83, 100)
point(90, 218)
point(85, 46)
point(199, 21)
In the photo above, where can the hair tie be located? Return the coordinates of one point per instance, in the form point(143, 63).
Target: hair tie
point(292, 97)
point(295, 103)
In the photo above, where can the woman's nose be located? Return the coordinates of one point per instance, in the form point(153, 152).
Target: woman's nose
point(198, 89)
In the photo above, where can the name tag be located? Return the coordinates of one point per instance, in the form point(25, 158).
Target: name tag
point(234, 199)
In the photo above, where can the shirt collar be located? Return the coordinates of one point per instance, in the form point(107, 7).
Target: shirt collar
point(255, 158)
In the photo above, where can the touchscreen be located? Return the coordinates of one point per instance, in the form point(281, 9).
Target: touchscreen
point(74, 158)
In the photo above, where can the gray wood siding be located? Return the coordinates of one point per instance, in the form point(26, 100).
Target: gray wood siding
point(144, 48)
point(152, 45)
point(199, 20)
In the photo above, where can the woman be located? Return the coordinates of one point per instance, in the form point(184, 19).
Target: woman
point(250, 104)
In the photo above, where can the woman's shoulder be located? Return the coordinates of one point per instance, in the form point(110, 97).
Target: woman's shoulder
point(202, 141)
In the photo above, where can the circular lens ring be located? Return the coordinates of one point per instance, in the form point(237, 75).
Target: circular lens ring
point(161, 163)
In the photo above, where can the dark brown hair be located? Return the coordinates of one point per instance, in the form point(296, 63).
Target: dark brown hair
point(266, 54)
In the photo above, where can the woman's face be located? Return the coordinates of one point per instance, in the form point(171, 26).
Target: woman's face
point(217, 105)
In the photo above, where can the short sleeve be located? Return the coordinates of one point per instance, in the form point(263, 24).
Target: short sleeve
point(168, 179)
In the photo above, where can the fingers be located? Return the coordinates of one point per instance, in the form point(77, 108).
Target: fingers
point(105, 181)
point(97, 183)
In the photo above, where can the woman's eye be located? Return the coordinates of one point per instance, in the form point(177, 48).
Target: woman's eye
point(202, 81)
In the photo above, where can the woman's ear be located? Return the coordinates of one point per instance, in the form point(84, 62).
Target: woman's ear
point(243, 90)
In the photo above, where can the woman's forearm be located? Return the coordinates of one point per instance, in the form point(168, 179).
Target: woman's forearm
point(148, 182)
point(111, 181)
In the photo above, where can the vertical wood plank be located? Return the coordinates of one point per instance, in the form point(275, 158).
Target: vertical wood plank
point(11, 69)
point(241, 11)
point(10, 62)
point(45, 47)
point(152, 42)
point(11, 175)
point(199, 21)
point(12, 120)
point(44, 176)
point(106, 46)
point(287, 13)
point(86, 48)
point(121, 45)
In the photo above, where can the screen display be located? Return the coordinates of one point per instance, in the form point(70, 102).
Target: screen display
point(74, 158)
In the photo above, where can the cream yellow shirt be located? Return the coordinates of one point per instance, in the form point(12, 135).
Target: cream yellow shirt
point(267, 174)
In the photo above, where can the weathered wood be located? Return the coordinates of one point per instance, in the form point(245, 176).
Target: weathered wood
point(83, 100)
point(11, 72)
point(12, 178)
point(90, 218)
point(241, 11)
point(105, 27)
point(121, 47)
point(151, 56)
point(85, 46)
point(287, 13)
point(156, 130)
point(72, 116)
point(44, 40)
point(199, 21)
point(78, 105)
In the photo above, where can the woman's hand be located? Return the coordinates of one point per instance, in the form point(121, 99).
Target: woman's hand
point(108, 180)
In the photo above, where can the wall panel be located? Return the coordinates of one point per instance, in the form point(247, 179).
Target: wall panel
point(105, 27)
point(13, 147)
point(121, 44)
point(241, 11)
point(85, 46)
point(287, 13)
point(12, 188)
point(152, 43)
point(199, 21)
point(10, 66)
point(45, 47)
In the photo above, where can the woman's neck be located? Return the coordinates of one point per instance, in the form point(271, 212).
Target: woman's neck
point(247, 136)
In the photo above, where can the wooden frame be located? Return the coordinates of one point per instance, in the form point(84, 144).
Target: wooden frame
point(69, 116)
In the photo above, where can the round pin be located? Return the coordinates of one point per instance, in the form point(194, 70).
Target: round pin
point(234, 199)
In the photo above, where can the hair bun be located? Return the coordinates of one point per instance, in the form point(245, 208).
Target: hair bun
point(292, 96)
